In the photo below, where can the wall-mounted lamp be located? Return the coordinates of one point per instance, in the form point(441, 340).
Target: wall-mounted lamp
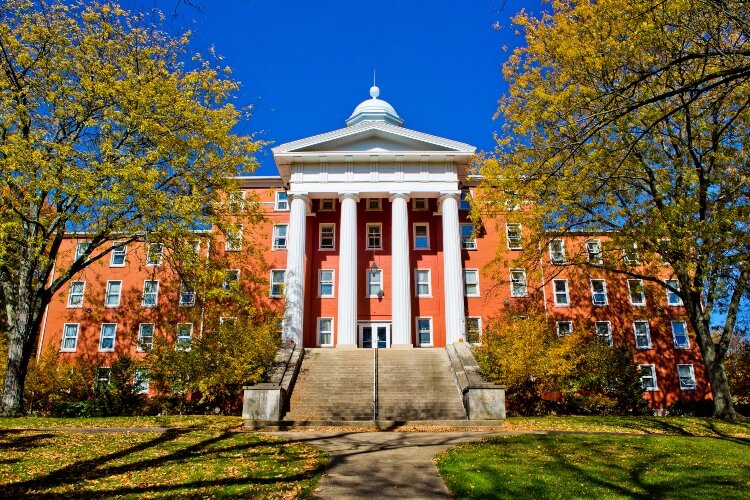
point(373, 267)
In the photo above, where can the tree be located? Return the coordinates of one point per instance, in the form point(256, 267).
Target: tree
point(107, 127)
point(631, 118)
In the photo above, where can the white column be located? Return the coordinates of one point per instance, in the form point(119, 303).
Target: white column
point(453, 269)
point(347, 292)
point(294, 279)
point(401, 272)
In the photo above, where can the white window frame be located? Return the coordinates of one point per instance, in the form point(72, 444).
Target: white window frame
point(466, 284)
point(183, 345)
point(417, 331)
point(652, 375)
point(279, 284)
point(82, 293)
point(107, 293)
point(566, 292)
point(380, 235)
point(102, 338)
point(608, 336)
point(674, 284)
point(509, 240)
point(327, 225)
point(692, 385)
point(154, 293)
point(275, 238)
point(370, 282)
point(233, 239)
point(369, 207)
point(648, 333)
point(563, 322)
point(637, 282)
point(149, 254)
point(630, 255)
point(324, 201)
point(320, 331)
point(117, 251)
point(236, 202)
point(81, 248)
point(596, 257)
point(519, 287)
point(332, 283)
point(186, 289)
point(594, 293)
point(227, 284)
point(469, 243)
point(65, 337)
point(103, 375)
point(464, 203)
point(686, 345)
point(141, 381)
point(277, 201)
point(552, 253)
point(425, 205)
point(140, 345)
point(426, 225)
point(428, 282)
point(479, 327)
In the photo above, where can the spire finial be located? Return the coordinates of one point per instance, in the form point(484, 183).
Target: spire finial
point(374, 90)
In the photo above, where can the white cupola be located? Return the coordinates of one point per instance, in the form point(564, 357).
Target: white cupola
point(374, 110)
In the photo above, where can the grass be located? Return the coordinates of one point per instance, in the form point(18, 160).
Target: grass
point(172, 422)
point(205, 462)
point(599, 466)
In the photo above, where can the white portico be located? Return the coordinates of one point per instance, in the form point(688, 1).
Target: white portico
point(374, 156)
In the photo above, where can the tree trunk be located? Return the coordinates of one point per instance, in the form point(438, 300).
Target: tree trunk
point(723, 407)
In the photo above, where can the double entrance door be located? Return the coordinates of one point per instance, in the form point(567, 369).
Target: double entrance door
point(374, 335)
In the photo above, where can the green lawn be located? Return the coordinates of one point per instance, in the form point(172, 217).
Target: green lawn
point(599, 466)
point(190, 463)
point(171, 421)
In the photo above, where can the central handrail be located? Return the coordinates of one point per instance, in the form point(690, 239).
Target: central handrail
point(375, 384)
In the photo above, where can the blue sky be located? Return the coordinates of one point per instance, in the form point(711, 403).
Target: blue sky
point(305, 65)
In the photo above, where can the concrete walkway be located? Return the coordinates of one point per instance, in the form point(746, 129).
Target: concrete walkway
point(382, 464)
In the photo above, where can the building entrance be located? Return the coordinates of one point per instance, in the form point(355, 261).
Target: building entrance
point(374, 335)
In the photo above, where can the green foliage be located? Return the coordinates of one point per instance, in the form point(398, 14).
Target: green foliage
point(737, 365)
point(55, 379)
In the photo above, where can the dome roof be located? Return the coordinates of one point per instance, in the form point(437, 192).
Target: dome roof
point(374, 110)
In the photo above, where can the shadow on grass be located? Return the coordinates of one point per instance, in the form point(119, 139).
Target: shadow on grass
point(21, 443)
point(101, 467)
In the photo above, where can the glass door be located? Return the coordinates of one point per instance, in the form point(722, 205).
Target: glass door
point(375, 335)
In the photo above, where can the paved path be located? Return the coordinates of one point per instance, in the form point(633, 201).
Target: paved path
point(382, 464)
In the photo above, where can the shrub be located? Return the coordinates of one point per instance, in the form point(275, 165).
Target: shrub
point(54, 379)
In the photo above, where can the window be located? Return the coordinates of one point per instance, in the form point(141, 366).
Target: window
point(187, 294)
point(421, 236)
point(642, 335)
point(117, 256)
point(374, 282)
point(465, 200)
point(468, 241)
point(648, 377)
point(471, 282)
point(107, 337)
point(145, 337)
point(636, 292)
point(279, 236)
point(150, 293)
point(679, 335)
point(281, 202)
point(236, 202)
point(103, 375)
point(184, 336)
point(687, 377)
point(277, 282)
point(630, 254)
point(473, 329)
point(325, 280)
point(424, 331)
point(518, 286)
point(140, 381)
point(420, 204)
point(75, 296)
point(233, 241)
point(599, 292)
point(154, 254)
point(564, 328)
point(422, 277)
point(231, 278)
point(673, 298)
point(594, 252)
point(81, 249)
point(112, 294)
point(557, 252)
point(69, 337)
point(228, 323)
point(560, 288)
point(373, 204)
point(603, 330)
point(327, 204)
point(374, 236)
point(513, 234)
point(325, 331)
point(327, 236)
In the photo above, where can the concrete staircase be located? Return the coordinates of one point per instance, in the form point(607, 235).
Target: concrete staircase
point(338, 384)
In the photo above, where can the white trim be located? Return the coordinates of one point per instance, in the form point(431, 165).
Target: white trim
point(677, 286)
point(630, 293)
point(101, 338)
point(332, 248)
point(182, 303)
point(524, 282)
point(183, 346)
point(652, 369)
point(320, 283)
point(148, 254)
point(227, 284)
point(379, 272)
point(476, 272)
point(480, 329)
point(138, 347)
point(471, 240)
point(555, 292)
point(274, 246)
point(648, 333)
point(115, 248)
point(414, 235)
point(561, 322)
point(156, 294)
point(75, 339)
point(599, 252)
point(694, 385)
point(563, 260)
point(674, 337)
point(276, 201)
point(463, 198)
point(317, 328)
point(507, 236)
point(379, 225)
point(233, 239)
point(604, 291)
point(106, 294)
point(281, 284)
point(70, 294)
point(432, 331)
point(416, 283)
point(609, 338)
